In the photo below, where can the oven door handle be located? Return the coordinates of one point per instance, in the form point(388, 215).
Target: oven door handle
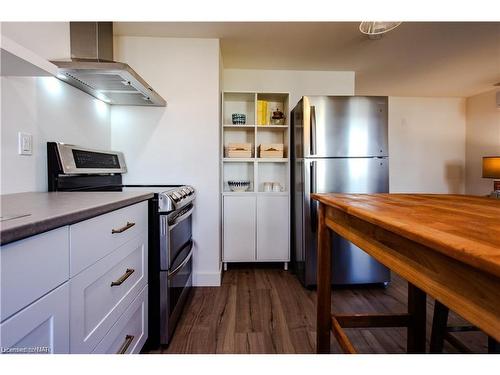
point(184, 262)
point(180, 218)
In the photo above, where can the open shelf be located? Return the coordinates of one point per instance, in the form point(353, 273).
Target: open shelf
point(238, 102)
point(238, 135)
point(275, 127)
point(231, 126)
point(239, 170)
point(272, 160)
point(272, 172)
point(275, 101)
point(238, 160)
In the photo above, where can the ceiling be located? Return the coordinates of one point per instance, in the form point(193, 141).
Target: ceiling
point(415, 59)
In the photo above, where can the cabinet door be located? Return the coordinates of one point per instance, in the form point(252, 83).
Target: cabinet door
point(42, 327)
point(32, 267)
point(272, 228)
point(239, 228)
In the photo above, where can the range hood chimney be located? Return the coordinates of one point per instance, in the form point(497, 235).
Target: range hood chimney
point(93, 70)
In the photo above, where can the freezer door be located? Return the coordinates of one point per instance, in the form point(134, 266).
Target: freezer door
point(345, 126)
point(351, 265)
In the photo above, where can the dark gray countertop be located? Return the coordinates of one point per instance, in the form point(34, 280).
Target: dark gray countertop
point(27, 214)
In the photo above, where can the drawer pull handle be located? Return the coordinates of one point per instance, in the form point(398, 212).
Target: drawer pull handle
point(126, 344)
point(123, 229)
point(125, 276)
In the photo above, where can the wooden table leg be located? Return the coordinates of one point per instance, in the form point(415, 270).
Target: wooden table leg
point(417, 311)
point(493, 346)
point(439, 327)
point(323, 317)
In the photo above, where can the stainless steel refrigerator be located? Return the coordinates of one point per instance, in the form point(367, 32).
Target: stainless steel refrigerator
point(338, 144)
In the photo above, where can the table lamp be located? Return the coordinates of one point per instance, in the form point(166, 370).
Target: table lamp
point(491, 169)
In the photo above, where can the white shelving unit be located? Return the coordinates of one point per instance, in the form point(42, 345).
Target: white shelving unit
point(255, 222)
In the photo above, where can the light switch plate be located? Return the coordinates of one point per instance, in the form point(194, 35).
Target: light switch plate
point(25, 143)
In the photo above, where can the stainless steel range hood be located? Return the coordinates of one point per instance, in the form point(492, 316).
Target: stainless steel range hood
point(93, 70)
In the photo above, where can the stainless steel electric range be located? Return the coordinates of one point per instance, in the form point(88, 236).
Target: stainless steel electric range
point(170, 258)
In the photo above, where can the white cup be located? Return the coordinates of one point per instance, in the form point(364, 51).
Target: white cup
point(276, 187)
point(268, 186)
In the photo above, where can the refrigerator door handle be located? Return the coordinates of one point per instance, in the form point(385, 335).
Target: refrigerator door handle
point(312, 189)
point(312, 138)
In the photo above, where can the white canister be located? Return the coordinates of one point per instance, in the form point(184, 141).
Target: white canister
point(277, 187)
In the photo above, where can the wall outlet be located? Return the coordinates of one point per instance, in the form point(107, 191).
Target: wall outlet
point(25, 143)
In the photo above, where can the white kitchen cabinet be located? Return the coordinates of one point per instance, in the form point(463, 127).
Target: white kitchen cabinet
point(256, 228)
point(44, 305)
point(32, 267)
point(272, 228)
point(93, 239)
point(239, 228)
point(42, 327)
point(129, 333)
point(101, 293)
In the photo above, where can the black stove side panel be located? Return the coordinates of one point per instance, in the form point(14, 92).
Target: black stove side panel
point(153, 340)
point(54, 168)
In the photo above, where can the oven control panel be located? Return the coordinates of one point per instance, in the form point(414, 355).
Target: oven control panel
point(176, 198)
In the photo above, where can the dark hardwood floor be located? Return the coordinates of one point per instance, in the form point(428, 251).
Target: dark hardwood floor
point(259, 309)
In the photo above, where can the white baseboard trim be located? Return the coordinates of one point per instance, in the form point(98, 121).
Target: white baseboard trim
point(207, 279)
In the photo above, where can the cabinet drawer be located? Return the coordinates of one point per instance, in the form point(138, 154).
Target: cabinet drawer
point(42, 327)
point(129, 333)
point(96, 303)
point(32, 267)
point(92, 239)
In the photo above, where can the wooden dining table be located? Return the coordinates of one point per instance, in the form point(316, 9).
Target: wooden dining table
point(445, 246)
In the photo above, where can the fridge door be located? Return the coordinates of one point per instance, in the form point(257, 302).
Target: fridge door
point(350, 264)
point(345, 126)
point(297, 257)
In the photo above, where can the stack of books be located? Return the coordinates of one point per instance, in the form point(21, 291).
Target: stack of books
point(262, 117)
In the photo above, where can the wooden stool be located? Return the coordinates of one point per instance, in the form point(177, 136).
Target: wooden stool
point(441, 332)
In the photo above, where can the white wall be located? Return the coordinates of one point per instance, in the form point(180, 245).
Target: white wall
point(296, 82)
point(427, 145)
point(482, 139)
point(178, 144)
point(47, 108)
point(50, 110)
point(47, 39)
